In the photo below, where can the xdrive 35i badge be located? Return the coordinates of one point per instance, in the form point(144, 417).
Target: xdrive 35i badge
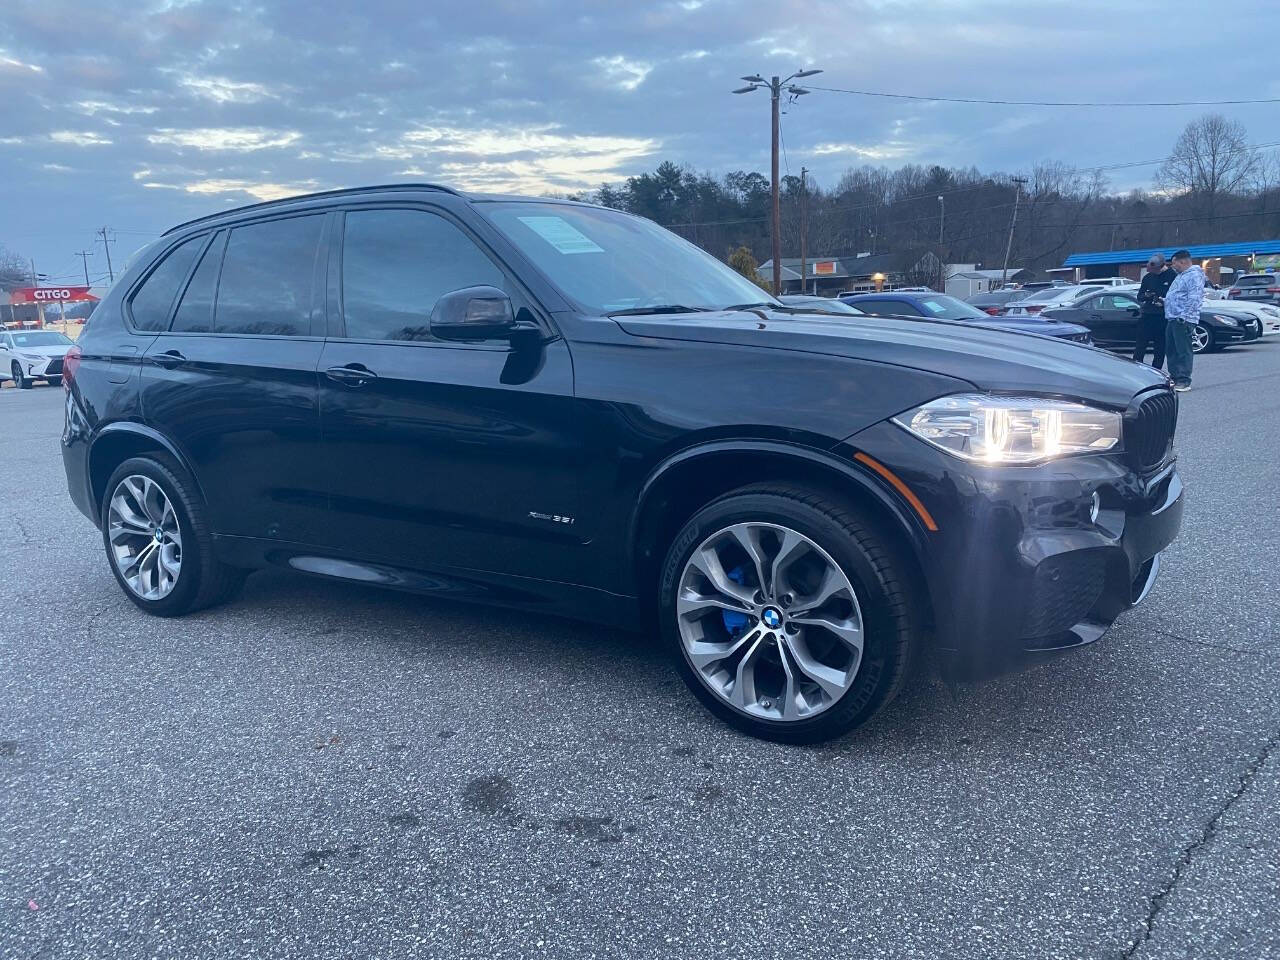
point(551, 517)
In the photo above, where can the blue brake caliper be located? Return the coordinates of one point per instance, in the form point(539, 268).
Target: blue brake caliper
point(735, 622)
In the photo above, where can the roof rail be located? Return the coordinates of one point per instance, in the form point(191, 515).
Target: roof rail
point(315, 196)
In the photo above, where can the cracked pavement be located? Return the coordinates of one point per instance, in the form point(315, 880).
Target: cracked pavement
point(323, 769)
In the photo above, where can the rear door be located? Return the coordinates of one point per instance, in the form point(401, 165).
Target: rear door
point(1114, 320)
point(442, 454)
point(231, 377)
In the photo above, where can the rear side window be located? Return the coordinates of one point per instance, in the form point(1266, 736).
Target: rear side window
point(397, 263)
point(267, 282)
point(150, 304)
point(1255, 281)
point(195, 310)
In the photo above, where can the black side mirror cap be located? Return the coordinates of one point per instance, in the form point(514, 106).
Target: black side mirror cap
point(473, 313)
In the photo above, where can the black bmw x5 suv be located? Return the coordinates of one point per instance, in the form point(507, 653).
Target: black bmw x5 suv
point(560, 407)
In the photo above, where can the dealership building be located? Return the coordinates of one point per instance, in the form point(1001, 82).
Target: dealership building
point(1222, 262)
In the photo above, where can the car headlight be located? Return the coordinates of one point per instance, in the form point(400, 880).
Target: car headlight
point(1000, 430)
point(1229, 321)
point(29, 358)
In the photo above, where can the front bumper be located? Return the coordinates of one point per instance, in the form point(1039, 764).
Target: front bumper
point(1018, 569)
point(38, 368)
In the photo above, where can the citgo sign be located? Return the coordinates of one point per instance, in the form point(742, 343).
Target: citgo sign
point(50, 295)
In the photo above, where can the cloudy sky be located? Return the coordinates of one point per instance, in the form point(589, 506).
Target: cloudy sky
point(138, 114)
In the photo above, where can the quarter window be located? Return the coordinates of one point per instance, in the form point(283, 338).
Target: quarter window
point(267, 282)
point(149, 308)
point(195, 310)
point(397, 263)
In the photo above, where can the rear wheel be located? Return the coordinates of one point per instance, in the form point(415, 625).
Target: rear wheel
point(159, 542)
point(787, 613)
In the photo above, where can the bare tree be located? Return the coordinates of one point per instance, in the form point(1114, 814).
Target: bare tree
point(14, 271)
point(1211, 159)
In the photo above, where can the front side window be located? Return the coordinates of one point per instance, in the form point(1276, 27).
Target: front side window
point(150, 305)
point(397, 263)
point(605, 261)
point(267, 282)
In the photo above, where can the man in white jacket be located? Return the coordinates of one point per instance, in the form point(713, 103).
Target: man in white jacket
point(1182, 309)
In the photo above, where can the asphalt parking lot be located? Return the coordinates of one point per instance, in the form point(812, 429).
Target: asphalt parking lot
point(323, 770)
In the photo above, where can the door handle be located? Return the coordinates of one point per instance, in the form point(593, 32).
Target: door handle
point(351, 375)
point(169, 359)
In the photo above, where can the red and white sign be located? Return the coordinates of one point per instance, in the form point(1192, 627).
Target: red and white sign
point(50, 295)
point(823, 268)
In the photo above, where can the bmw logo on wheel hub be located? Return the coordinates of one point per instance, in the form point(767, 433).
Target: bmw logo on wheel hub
point(771, 618)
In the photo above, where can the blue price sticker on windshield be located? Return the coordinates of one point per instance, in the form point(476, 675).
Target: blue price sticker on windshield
point(561, 234)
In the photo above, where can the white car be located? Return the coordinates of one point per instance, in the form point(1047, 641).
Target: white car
point(1049, 298)
point(30, 355)
point(1265, 316)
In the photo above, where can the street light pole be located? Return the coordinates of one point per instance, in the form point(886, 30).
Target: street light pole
point(775, 207)
point(804, 229)
point(775, 86)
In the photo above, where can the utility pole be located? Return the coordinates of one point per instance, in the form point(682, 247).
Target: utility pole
point(35, 282)
point(84, 256)
point(1017, 195)
point(942, 220)
point(106, 245)
point(804, 230)
point(775, 87)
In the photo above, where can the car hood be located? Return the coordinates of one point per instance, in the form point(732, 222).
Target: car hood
point(1047, 328)
point(1000, 360)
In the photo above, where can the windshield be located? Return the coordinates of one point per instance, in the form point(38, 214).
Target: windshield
point(944, 307)
point(41, 338)
point(606, 261)
point(1060, 294)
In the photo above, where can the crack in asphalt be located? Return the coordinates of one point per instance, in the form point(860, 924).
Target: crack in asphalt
point(1212, 646)
point(1206, 837)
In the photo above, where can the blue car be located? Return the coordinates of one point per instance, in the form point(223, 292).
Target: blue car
point(939, 306)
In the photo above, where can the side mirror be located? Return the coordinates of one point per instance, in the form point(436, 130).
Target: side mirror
point(473, 313)
point(1133, 311)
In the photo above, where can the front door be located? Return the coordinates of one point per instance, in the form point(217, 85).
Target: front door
point(231, 378)
point(439, 454)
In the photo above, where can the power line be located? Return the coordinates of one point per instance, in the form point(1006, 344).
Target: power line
point(1048, 103)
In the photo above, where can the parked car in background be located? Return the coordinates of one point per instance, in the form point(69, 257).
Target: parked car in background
point(1256, 286)
point(813, 304)
point(1107, 282)
point(1264, 316)
point(567, 409)
point(30, 355)
point(1113, 317)
point(996, 302)
point(1044, 299)
point(940, 306)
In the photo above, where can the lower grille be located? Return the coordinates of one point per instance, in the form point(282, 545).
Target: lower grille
point(1149, 430)
point(55, 366)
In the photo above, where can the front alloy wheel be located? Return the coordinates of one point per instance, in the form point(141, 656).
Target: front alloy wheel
point(1201, 338)
point(769, 621)
point(146, 541)
point(790, 614)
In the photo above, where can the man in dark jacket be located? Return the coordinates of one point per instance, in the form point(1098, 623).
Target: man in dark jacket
point(1151, 326)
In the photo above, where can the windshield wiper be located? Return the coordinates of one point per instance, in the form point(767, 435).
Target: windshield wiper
point(754, 306)
point(658, 308)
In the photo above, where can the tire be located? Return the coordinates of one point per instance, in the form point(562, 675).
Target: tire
point(54, 381)
point(892, 624)
point(1204, 336)
point(19, 381)
point(202, 580)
